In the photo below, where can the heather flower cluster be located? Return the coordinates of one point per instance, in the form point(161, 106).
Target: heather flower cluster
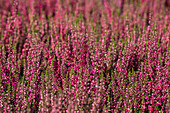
point(85, 56)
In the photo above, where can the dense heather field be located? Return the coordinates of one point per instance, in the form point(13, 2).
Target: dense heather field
point(84, 56)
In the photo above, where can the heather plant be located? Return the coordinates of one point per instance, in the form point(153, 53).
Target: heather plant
point(84, 56)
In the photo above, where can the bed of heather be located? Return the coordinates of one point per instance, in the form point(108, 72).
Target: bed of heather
point(84, 56)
